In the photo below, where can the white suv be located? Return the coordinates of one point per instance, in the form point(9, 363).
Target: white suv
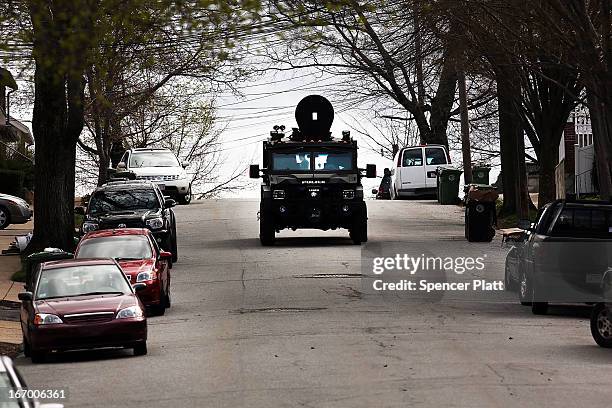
point(160, 166)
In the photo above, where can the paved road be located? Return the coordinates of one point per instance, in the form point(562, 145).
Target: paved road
point(295, 325)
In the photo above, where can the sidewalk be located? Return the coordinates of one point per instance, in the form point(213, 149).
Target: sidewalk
point(10, 330)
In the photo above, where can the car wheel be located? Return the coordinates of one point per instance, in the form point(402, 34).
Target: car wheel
point(601, 325)
point(185, 199)
point(37, 357)
point(140, 349)
point(539, 308)
point(168, 301)
point(267, 233)
point(5, 218)
point(524, 292)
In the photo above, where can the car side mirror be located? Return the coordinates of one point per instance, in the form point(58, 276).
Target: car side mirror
point(254, 171)
point(374, 191)
point(121, 166)
point(371, 171)
point(80, 210)
point(169, 203)
point(165, 255)
point(525, 225)
point(185, 164)
point(25, 296)
point(138, 287)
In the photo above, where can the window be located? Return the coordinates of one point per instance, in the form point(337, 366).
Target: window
point(583, 223)
point(291, 161)
point(412, 157)
point(128, 200)
point(153, 159)
point(118, 247)
point(435, 155)
point(81, 280)
point(331, 161)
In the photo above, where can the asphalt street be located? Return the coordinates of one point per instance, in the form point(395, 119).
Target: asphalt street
point(298, 324)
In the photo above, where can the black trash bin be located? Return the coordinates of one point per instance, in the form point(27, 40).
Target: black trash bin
point(480, 213)
point(480, 174)
point(448, 185)
point(32, 261)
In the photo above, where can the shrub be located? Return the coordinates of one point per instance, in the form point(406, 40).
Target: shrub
point(11, 182)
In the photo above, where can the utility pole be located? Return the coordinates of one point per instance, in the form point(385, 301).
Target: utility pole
point(465, 128)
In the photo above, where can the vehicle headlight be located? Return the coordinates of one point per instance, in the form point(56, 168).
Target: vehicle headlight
point(278, 194)
point(89, 226)
point(131, 312)
point(182, 176)
point(155, 223)
point(348, 194)
point(46, 318)
point(145, 276)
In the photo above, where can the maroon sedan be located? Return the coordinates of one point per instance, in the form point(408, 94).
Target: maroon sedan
point(81, 304)
point(142, 260)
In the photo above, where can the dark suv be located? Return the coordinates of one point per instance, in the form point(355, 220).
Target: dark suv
point(132, 204)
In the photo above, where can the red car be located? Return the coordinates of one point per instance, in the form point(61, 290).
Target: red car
point(140, 257)
point(81, 304)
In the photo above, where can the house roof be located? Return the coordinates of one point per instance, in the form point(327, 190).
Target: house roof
point(15, 129)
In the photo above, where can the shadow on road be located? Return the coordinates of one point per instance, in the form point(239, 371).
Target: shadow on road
point(82, 356)
point(294, 242)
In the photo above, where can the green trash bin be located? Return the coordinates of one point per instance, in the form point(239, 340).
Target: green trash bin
point(32, 261)
point(480, 175)
point(448, 185)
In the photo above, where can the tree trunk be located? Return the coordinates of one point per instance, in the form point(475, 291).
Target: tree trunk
point(57, 121)
point(548, 157)
point(442, 103)
point(509, 131)
point(465, 130)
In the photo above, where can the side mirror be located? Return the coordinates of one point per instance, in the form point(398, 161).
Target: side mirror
point(139, 286)
point(525, 225)
point(121, 166)
point(25, 296)
point(169, 203)
point(165, 255)
point(80, 210)
point(371, 171)
point(374, 191)
point(254, 171)
point(185, 164)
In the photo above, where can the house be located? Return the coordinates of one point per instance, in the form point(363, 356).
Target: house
point(15, 137)
point(574, 171)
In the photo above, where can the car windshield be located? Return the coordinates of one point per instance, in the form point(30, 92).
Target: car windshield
point(323, 161)
point(81, 280)
point(123, 200)
point(153, 159)
point(118, 247)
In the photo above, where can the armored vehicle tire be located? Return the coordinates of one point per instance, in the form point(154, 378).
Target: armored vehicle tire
point(267, 233)
point(359, 231)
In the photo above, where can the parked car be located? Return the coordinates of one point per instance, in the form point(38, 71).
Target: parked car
point(563, 256)
point(415, 170)
point(140, 257)
point(132, 204)
point(13, 388)
point(13, 210)
point(82, 304)
point(159, 166)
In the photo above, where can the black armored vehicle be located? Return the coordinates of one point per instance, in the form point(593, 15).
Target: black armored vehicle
point(310, 179)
